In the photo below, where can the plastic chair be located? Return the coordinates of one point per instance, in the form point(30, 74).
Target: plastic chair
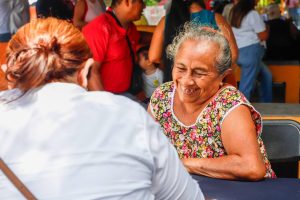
point(282, 142)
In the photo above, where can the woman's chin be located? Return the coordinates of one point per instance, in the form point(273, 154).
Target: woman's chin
point(189, 98)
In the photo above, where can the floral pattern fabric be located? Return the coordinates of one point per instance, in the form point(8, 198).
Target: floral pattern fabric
point(202, 139)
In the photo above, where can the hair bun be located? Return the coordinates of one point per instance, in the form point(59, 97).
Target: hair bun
point(52, 45)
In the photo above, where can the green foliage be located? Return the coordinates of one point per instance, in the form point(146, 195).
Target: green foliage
point(151, 2)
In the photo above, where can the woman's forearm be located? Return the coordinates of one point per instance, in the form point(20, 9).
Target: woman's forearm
point(230, 167)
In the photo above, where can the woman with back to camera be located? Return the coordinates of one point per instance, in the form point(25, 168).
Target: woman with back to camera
point(215, 130)
point(182, 11)
point(249, 31)
point(64, 142)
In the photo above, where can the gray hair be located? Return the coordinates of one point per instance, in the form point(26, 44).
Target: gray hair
point(196, 32)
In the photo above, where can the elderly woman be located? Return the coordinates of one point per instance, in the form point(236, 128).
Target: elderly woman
point(214, 128)
point(57, 137)
point(180, 12)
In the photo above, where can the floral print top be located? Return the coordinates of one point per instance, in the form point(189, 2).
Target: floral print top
point(202, 139)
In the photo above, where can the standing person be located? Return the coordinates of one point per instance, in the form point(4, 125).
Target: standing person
point(5, 11)
point(20, 14)
point(181, 12)
point(13, 15)
point(152, 76)
point(62, 9)
point(86, 10)
point(250, 30)
point(113, 40)
point(61, 141)
point(292, 7)
point(283, 42)
point(227, 10)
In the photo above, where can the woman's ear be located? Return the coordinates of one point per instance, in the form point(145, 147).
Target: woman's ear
point(82, 76)
point(226, 73)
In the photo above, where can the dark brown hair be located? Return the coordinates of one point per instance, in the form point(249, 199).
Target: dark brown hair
point(239, 11)
point(43, 51)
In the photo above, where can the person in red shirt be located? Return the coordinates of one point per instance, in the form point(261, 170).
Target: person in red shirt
point(208, 4)
point(113, 39)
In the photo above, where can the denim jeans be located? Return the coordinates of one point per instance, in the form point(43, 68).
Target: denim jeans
point(250, 61)
point(266, 84)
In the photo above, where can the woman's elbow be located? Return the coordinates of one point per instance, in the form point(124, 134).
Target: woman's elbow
point(254, 172)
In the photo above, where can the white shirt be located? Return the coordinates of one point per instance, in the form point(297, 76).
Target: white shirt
point(152, 81)
point(251, 24)
point(66, 143)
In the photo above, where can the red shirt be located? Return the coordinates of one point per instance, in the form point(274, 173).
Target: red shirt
point(208, 4)
point(107, 41)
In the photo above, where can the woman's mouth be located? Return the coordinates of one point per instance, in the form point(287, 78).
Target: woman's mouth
point(188, 91)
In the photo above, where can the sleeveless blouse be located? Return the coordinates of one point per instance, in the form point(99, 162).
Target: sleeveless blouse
point(203, 139)
point(205, 18)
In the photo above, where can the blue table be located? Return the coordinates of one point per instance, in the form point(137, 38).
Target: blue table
point(270, 189)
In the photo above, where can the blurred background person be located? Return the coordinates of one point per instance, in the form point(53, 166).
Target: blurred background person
point(20, 14)
point(227, 10)
point(13, 14)
point(292, 8)
point(283, 42)
point(65, 144)
point(181, 12)
point(249, 31)
point(86, 10)
point(62, 9)
point(214, 128)
point(151, 75)
point(113, 39)
point(5, 11)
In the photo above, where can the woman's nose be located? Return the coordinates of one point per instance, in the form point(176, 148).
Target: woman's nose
point(188, 79)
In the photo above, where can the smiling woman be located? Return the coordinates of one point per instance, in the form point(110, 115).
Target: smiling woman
point(215, 130)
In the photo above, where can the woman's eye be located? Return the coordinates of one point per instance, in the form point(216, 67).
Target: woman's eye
point(199, 73)
point(180, 68)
